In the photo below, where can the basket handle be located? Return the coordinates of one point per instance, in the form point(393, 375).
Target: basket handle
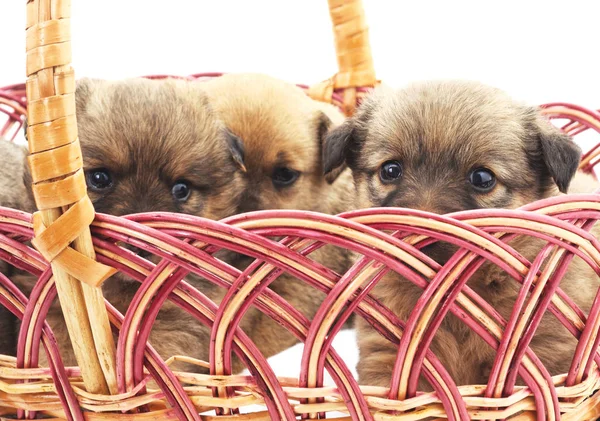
point(61, 226)
point(353, 50)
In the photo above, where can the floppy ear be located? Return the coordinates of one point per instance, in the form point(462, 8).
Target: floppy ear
point(335, 150)
point(324, 125)
point(561, 154)
point(236, 148)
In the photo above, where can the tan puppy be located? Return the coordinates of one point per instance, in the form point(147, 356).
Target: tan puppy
point(158, 146)
point(445, 147)
point(282, 131)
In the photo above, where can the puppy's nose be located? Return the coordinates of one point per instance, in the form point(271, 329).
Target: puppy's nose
point(438, 202)
point(439, 209)
point(425, 206)
point(428, 208)
point(145, 201)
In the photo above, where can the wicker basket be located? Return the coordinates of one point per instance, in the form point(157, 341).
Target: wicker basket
point(130, 381)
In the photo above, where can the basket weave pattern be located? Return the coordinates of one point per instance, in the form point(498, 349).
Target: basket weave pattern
point(128, 380)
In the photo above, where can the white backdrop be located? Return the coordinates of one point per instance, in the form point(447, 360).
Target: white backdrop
point(538, 50)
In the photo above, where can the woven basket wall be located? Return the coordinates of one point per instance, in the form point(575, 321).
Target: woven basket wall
point(130, 381)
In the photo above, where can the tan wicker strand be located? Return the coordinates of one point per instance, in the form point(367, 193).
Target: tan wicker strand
point(353, 50)
point(352, 44)
point(60, 193)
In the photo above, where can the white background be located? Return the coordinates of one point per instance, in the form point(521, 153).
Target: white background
point(539, 51)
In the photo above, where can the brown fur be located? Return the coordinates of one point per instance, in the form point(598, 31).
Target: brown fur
point(13, 194)
point(440, 131)
point(279, 126)
point(13, 191)
point(152, 134)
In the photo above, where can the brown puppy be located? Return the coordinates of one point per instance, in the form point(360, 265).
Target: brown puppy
point(153, 146)
point(282, 131)
point(13, 194)
point(158, 146)
point(451, 146)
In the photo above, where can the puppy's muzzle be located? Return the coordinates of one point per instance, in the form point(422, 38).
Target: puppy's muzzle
point(433, 200)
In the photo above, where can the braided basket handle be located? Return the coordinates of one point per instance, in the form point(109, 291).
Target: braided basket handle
point(61, 226)
point(355, 61)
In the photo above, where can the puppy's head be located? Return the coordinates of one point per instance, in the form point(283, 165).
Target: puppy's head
point(450, 146)
point(153, 145)
point(282, 133)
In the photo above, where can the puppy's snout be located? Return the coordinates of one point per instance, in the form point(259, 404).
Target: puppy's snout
point(140, 205)
point(438, 208)
point(427, 200)
point(139, 195)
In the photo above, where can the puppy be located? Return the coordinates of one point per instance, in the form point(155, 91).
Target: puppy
point(13, 194)
point(282, 132)
point(159, 146)
point(152, 146)
point(445, 147)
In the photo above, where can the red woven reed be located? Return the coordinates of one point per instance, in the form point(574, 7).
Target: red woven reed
point(169, 219)
point(580, 119)
point(13, 106)
point(108, 230)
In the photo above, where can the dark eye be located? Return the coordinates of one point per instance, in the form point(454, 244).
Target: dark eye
point(181, 191)
point(390, 171)
point(283, 177)
point(482, 179)
point(99, 179)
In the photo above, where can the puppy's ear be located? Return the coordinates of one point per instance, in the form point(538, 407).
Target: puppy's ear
point(561, 154)
point(324, 125)
point(236, 148)
point(336, 148)
point(343, 144)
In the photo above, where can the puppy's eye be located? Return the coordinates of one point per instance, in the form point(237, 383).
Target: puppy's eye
point(283, 177)
point(482, 179)
point(390, 171)
point(181, 191)
point(99, 179)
